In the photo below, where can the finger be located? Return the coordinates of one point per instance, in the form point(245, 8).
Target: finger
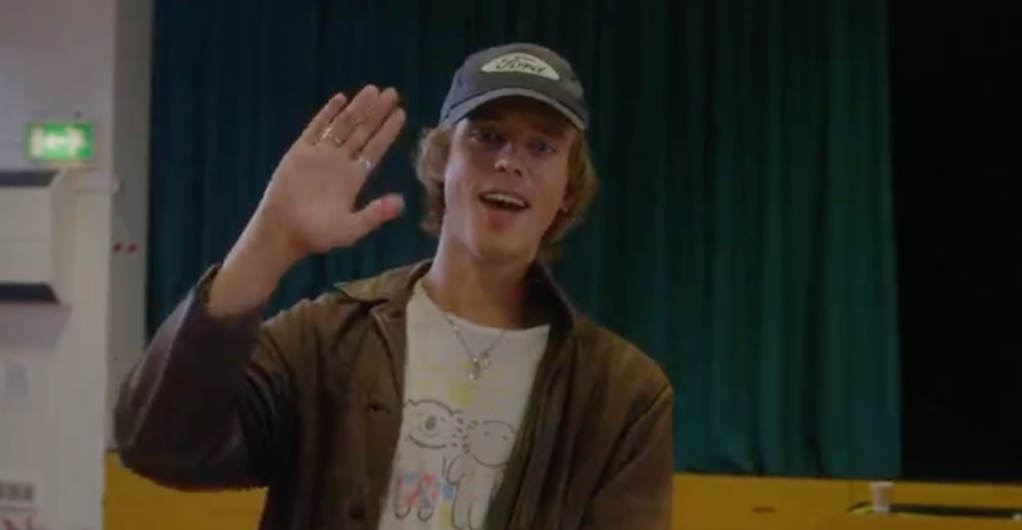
point(376, 213)
point(372, 121)
point(315, 129)
point(384, 137)
point(343, 123)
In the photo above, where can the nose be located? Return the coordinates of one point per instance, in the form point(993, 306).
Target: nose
point(508, 162)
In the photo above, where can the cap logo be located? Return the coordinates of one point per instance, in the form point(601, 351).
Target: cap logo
point(521, 63)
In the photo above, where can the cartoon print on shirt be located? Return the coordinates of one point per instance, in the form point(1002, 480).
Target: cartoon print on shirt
point(418, 484)
point(477, 472)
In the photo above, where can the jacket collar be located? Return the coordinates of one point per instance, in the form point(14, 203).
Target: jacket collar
point(394, 287)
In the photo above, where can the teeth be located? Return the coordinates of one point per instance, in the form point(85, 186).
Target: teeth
point(504, 198)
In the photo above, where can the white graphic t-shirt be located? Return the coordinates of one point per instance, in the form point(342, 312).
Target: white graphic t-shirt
point(456, 434)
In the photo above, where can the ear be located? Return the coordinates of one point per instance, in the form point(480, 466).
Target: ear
point(567, 201)
point(570, 195)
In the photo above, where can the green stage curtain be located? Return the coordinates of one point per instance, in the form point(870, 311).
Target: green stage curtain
point(743, 231)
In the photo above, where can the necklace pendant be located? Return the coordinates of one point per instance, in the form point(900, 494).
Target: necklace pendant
point(478, 366)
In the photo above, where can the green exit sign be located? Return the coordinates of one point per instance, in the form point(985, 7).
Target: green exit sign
point(58, 141)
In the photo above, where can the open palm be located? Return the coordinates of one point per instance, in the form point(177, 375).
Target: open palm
point(311, 195)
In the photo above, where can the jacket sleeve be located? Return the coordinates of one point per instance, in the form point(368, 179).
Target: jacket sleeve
point(639, 493)
point(207, 404)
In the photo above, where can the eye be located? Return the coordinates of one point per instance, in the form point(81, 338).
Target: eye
point(486, 136)
point(543, 147)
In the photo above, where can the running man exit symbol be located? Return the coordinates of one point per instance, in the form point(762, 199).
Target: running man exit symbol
point(59, 141)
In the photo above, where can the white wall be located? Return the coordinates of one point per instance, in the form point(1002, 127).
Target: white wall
point(62, 59)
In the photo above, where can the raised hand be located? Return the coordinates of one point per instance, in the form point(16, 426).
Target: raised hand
point(309, 203)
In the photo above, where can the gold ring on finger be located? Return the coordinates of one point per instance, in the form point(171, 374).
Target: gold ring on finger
point(366, 163)
point(329, 136)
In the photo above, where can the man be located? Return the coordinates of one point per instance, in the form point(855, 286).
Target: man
point(463, 392)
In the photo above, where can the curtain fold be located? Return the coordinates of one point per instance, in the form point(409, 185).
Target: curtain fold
point(742, 234)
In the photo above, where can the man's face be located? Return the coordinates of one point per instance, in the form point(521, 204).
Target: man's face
point(506, 178)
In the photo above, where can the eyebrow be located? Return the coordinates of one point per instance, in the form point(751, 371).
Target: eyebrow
point(546, 125)
point(549, 126)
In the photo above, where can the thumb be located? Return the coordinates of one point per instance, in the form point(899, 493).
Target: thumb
point(376, 213)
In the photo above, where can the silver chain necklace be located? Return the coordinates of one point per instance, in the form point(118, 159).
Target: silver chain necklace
point(478, 363)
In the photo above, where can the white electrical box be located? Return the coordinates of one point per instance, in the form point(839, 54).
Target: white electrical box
point(36, 236)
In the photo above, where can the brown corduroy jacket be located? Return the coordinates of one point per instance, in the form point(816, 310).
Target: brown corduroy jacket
point(308, 404)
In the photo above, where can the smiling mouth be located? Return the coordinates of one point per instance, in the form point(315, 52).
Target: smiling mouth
point(503, 201)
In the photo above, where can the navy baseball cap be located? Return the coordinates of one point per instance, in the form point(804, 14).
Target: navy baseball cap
point(520, 69)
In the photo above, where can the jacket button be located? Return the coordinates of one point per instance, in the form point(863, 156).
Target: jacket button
point(357, 513)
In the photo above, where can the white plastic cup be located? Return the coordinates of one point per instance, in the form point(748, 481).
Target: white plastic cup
point(880, 496)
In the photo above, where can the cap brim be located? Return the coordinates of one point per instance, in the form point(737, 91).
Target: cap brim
point(461, 110)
